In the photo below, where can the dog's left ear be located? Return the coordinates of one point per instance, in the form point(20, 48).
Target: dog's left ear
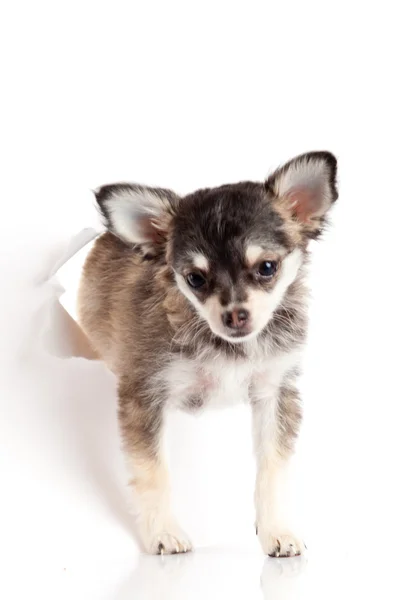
point(304, 189)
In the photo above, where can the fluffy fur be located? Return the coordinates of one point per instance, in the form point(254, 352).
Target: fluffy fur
point(200, 301)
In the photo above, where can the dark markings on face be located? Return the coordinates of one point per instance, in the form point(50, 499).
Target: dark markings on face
point(221, 223)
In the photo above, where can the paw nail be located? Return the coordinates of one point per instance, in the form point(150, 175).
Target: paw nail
point(161, 548)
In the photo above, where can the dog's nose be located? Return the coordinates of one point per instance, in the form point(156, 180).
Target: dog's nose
point(236, 318)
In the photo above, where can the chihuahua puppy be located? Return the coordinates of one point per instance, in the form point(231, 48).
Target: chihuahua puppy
point(200, 300)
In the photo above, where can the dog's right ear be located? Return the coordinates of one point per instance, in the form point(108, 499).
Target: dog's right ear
point(137, 214)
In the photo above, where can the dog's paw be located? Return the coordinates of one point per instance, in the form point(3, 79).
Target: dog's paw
point(277, 544)
point(169, 540)
point(168, 543)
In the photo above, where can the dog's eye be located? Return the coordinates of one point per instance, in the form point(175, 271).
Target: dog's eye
point(267, 268)
point(195, 280)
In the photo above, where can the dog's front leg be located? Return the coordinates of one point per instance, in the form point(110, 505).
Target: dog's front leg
point(141, 425)
point(276, 418)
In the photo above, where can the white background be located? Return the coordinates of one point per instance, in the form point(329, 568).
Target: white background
point(189, 94)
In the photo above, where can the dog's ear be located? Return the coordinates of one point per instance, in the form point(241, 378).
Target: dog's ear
point(137, 214)
point(304, 189)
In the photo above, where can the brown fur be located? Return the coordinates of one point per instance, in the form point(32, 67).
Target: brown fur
point(289, 417)
point(140, 322)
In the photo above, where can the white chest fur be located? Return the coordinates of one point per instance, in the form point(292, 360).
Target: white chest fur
point(222, 381)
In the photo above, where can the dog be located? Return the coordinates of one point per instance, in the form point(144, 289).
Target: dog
point(199, 300)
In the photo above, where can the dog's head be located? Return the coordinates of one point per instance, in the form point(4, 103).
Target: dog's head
point(235, 249)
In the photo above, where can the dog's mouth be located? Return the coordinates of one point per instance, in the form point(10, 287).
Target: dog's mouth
point(237, 336)
point(234, 335)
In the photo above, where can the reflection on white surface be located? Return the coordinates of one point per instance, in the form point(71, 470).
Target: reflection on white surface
point(283, 578)
point(230, 574)
point(212, 574)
